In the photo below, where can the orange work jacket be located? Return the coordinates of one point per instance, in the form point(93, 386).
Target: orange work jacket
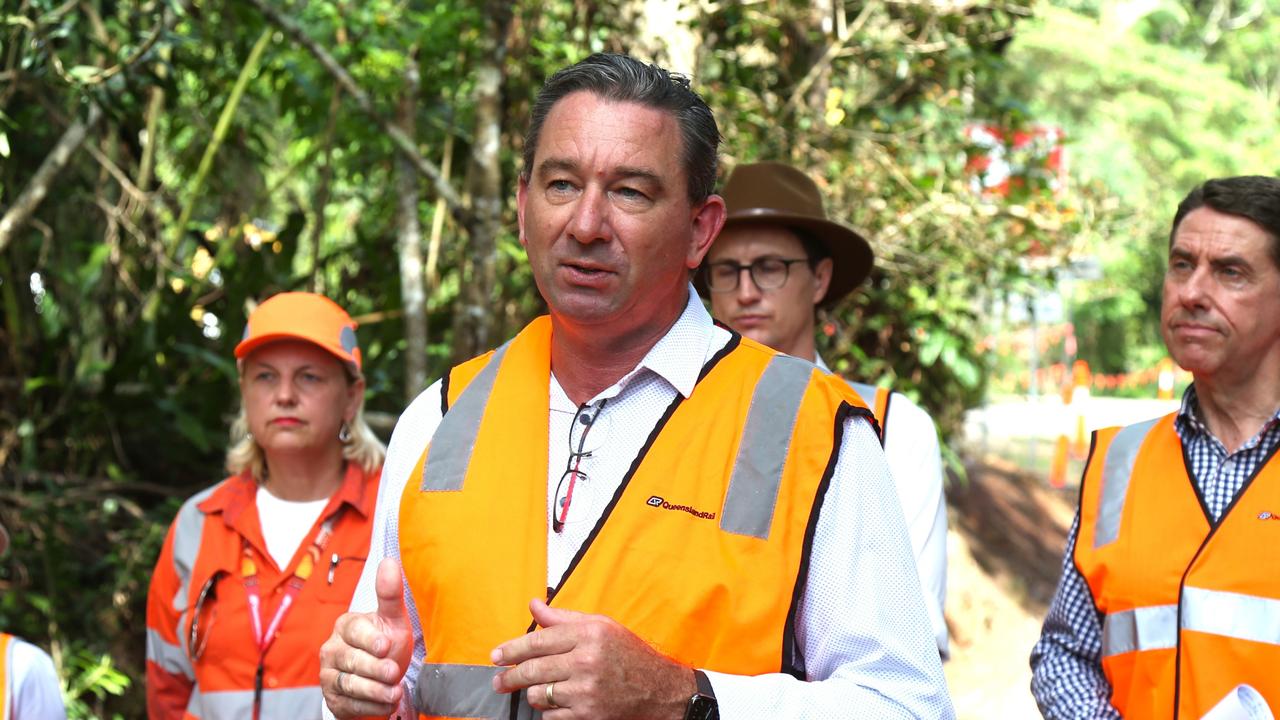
point(702, 552)
point(1191, 609)
point(202, 656)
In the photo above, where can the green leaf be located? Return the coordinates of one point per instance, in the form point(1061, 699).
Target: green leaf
point(83, 73)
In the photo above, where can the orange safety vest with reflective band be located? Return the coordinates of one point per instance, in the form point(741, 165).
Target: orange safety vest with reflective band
point(6, 695)
point(702, 551)
point(1190, 609)
point(876, 398)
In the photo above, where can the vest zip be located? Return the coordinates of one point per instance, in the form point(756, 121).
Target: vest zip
point(617, 495)
point(613, 502)
point(1213, 530)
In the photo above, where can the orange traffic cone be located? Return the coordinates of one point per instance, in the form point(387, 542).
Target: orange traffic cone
point(1164, 381)
point(1058, 470)
point(1080, 381)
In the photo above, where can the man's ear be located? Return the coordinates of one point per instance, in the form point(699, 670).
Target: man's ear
point(822, 279)
point(708, 219)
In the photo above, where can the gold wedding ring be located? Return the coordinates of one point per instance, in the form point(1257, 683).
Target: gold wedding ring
point(551, 696)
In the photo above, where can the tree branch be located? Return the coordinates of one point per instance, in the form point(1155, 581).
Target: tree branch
point(403, 142)
point(31, 197)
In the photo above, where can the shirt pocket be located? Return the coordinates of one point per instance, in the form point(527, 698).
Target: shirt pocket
point(337, 575)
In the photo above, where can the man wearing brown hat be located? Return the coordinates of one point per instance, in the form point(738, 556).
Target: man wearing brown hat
point(777, 259)
point(29, 688)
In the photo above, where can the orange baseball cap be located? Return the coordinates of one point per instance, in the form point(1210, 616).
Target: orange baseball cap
point(303, 316)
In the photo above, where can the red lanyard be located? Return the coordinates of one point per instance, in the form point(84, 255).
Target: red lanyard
point(249, 573)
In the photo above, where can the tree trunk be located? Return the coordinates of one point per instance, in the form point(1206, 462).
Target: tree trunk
point(409, 243)
point(474, 321)
point(34, 193)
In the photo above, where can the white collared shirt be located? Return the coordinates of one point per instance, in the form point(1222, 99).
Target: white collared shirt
point(915, 462)
point(861, 623)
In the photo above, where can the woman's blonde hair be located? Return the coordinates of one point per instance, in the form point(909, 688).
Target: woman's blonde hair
point(362, 447)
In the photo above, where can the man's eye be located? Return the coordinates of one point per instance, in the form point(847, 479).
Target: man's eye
point(724, 271)
point(560, 186)
point(631, 193)
point(770, 266)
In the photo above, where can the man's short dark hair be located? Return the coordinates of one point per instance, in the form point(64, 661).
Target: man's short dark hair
point(1252, 197)
point(621, 78)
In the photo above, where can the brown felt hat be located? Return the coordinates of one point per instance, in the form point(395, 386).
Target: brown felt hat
point(770, 192)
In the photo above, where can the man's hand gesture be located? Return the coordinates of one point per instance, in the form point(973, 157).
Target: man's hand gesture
point(589, 666)
point(363, 661)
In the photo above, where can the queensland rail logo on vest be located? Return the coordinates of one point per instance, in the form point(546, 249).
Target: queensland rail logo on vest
point(657, 501)
point(1267, 515)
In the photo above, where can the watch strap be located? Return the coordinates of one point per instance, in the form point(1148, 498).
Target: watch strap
point(704, 684)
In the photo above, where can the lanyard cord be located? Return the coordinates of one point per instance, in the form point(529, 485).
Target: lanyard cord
point(249, 574)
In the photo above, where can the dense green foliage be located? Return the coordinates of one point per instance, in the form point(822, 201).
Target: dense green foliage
point(1161, 97)
point(229, 162)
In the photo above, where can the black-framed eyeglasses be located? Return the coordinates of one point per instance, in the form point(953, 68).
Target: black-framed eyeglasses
point(198, 638)
point(768, 273)
point(586, 417)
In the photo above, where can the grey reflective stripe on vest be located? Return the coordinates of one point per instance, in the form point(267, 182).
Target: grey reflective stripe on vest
point(867, 393)
point(1233, 615)
point(187, 533)
point(1117, 469)
point(298, 703)
point(762, 451)
point(1144, 628)
point(455, 436)
point(463, 691)
point(171, 658)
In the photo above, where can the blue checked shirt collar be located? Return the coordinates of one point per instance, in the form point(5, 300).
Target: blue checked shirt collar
point(1219, 476)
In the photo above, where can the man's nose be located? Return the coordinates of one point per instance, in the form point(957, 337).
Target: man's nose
point(590, 217)
point(1192, 292)
point(748, 291)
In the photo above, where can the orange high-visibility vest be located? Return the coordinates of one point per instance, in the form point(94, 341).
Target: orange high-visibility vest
point(1191, 610)
point(6, 695)
point(701, 553)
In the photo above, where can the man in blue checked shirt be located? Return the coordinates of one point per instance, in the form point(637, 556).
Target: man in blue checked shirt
point(1169, 603)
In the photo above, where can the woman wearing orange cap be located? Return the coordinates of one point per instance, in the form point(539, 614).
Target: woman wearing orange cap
point(256, 569)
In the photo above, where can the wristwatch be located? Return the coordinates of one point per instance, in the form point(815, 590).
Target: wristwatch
point(703, 705)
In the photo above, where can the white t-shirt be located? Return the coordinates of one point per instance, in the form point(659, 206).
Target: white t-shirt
point(33, 684)
point(290, 522)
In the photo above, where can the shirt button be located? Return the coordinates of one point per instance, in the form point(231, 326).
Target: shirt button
point(272, 681)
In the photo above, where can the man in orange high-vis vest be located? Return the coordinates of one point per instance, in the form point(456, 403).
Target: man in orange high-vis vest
point(1169, 604)
point(777, 260)
point(29, 687)
point(627, 511)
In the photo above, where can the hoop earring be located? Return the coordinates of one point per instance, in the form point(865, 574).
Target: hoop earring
point(344, 433)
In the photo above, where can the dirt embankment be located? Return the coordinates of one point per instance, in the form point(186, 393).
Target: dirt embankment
point(1004, 557)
